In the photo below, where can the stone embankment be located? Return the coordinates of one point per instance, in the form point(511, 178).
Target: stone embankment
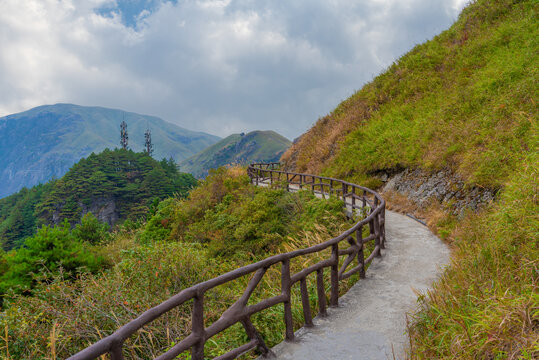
point(446, 188)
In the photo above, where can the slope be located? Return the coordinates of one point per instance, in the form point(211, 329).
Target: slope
point(465, 100)
point(256, 146)
point(463, 104)
point(42, 143)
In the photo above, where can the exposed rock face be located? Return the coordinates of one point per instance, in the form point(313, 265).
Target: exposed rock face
point(102, 208)
point(444, 186)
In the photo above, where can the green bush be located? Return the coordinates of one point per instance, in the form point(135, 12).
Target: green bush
point(62, 316)
point(53, 250)
point(236, 220)
point(91, 230)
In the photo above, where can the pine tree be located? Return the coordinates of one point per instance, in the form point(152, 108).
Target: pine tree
point(123, 135)
point(148, 146)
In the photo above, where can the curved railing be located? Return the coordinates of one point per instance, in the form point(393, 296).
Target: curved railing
point(267, 174)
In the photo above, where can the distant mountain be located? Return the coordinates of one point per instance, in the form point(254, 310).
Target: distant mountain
point(44, 142)
point(237, 148)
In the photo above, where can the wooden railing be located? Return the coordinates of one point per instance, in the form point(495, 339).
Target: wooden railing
point(268, 174)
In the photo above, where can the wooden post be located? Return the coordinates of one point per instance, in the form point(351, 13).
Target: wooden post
point(305, 303)
point(364, 198)
point(334, 298)
point(286, 285)
point(197, 351)
point(383, 228)
point(321, 292)
point(116, 351)
point(377, 230)
point(360, 254)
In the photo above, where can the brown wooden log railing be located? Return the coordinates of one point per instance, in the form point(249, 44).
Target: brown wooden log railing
point(355, 198)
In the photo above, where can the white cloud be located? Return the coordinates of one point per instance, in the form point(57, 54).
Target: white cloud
point(219, 66)
point(458, 5)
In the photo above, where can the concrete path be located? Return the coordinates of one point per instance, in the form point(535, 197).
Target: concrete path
point(370, 320)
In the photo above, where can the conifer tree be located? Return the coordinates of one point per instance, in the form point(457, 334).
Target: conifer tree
point(123, 135)
point(148, 146)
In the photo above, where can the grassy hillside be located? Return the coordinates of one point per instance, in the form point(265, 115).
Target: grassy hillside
point(44, 142)
point(113, 185)
point(256, 146)
point(466, 101)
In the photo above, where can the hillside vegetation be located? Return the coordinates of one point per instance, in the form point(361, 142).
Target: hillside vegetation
point(114, 185)
point(224, 224)
point(44, 142)
point(465, 101)
point(256, 146)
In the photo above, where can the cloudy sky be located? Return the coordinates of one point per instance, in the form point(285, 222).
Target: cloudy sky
point(220, 66)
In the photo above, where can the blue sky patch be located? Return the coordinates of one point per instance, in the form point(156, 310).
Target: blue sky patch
point(131, 10)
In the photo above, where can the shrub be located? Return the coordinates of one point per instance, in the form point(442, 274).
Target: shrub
point(53, 250)
point(91, 230)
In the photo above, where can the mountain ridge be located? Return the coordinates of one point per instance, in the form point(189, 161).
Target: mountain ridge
point(43, 142)
point(256, 146)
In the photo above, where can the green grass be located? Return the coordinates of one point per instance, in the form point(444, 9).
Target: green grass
point(465, 100)
point(467, 107)
point(487, 304)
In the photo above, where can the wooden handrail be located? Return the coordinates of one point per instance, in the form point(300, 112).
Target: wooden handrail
point(240, 312)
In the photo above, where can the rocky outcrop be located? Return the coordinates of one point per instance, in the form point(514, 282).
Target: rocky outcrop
point(103, 209)
point(443, 186)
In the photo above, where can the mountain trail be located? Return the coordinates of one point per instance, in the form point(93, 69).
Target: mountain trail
point(370, 321)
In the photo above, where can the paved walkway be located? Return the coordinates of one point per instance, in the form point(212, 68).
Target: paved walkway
point(370, 321)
